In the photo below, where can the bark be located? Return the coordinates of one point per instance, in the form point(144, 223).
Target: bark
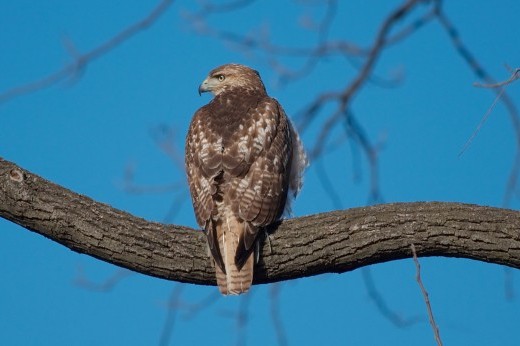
point(332, 242)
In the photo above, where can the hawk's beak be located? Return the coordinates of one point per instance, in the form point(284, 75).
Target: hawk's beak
point(209, 84)
point(204, 87)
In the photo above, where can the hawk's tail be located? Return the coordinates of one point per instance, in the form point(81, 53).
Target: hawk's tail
point(233, 281)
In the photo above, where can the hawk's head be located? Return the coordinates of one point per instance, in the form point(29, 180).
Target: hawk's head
point(231, 76)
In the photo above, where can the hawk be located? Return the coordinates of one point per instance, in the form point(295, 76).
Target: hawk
point(243, 158)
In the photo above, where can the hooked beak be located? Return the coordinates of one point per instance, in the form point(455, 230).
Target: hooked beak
point(204, 87)
point(208, 84)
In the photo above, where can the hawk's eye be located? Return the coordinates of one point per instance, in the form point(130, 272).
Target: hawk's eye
point(221, 77)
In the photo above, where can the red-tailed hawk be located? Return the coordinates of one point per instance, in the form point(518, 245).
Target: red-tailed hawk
point(243, 157)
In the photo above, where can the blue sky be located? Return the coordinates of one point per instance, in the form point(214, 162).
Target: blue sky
point(84, 133)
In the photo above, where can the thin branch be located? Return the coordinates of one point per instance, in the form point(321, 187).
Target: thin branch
point(502, 95)
point(209, 7)
point(512, 185)
point(435, 328)
point(305, 117)
point(107, 285)
point(80, 61)
point(275, 314)
point(192, 310)
point(326, 183)
point(515, 75)
point(372, 153)
point(481, 123)
point(284, 74)
point(198, 20)
point(129, 185)
point(509, 284)
point(348, 93)
point(412, 28)
point(164, 137)
point(175, 206)
point(171, 314)
point(242, 318)
point(324, 46)
point(355, 132)
point(377, 298)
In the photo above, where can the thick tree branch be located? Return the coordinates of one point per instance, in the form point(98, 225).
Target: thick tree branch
point(335, 242)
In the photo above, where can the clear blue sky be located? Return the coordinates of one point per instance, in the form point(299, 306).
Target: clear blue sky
point(83, 134)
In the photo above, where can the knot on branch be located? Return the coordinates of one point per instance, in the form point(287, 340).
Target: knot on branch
point(16, 175)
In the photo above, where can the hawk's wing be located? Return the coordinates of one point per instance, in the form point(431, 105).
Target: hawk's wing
point(259, 174)
point(203, 165)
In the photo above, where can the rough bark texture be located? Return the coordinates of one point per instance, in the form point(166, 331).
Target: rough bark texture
point(336, 242)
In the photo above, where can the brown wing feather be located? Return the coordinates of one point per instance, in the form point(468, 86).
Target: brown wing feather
point(200, 179)
point(214, 247)
point(261, 193)
point(202, 161)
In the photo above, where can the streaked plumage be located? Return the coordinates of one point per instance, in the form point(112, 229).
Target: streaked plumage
point(243, 157)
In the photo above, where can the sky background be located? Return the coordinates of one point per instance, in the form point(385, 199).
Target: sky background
point(85, 133)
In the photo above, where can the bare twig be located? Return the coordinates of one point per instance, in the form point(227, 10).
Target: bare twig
point(80, 61)
point(515, 75)
point(275, 314)
point(371, 152)
point(129, 185)
point(107, 285)
point(343, 98)
point(323, 47)
point(435, 328)
point(209, 7)
point(193, 310)
point(175, 206)
point(242, 318)
point(509, 286)
point(377, 298)
point(481, 123)
point(513, 178)
point(285, 74)
point(165, 136)
point(327, 184)
point(502, 95)
point(172, 311)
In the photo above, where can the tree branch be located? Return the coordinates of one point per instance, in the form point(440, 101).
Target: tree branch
point(81, 60)
point(332, 242)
